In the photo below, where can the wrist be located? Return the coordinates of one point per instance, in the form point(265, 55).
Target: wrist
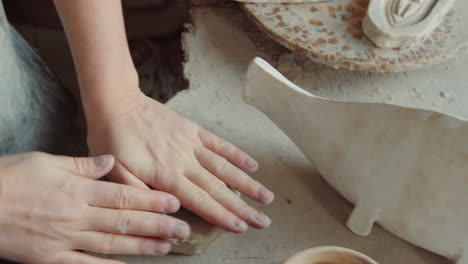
point(102, 89)
point(107, 79)
point(103, 110)
point(2, 184)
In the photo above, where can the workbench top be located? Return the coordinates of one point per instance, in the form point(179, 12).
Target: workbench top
point(307, 212)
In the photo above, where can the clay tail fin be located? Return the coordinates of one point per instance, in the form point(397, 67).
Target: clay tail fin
point(362, 219)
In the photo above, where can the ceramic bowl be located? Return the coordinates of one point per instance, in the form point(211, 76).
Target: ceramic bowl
point(330, 255)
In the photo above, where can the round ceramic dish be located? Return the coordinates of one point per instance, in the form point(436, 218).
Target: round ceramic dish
point(330, 32)
point(330, 255)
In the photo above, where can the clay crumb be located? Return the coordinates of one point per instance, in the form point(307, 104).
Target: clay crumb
point(446, 96)
point(416, 92)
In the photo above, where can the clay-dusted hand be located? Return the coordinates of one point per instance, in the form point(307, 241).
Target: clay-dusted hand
point(51, 206)
point(156, 147)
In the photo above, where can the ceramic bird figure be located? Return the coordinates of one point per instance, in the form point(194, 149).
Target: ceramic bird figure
point(405, 168)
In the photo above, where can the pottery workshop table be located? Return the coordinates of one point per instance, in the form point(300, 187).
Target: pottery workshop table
point(307, 212)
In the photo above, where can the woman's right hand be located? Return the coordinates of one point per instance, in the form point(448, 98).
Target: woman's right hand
point(52, 206)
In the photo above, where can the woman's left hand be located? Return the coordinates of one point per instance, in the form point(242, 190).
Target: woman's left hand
point(156, 147)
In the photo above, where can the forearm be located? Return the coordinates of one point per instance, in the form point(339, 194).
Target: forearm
point(96, 33)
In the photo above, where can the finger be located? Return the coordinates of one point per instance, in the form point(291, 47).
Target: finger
point(120, 196)
point(227, 151)
point(107, 243)
point(233, 176)
point(221, 193)
point(120, 174)
point(92, 168)
point(74, 257)
point(137, 223)
point(201, 203)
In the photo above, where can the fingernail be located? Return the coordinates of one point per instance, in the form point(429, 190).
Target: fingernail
point(240, 226)
point(251, 164)
point(265, 195)
point(181, 231)
point(161, 249)
point(261, 219)
point(172, 205)
point(103, 161)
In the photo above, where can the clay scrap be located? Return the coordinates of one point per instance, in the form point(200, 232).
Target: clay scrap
point(204, 235)
point(403, 168)
point(403, 23)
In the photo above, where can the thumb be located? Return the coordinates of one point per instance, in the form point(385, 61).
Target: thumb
point(93, 167)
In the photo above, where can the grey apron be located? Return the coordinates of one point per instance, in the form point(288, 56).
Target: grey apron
point(36, 112)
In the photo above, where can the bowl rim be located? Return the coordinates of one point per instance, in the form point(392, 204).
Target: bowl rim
point(306, 254)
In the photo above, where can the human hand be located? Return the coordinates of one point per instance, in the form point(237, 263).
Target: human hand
point(51, 206)
point(156, 147)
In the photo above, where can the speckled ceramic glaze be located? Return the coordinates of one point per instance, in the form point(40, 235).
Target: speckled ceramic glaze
point(331, 33)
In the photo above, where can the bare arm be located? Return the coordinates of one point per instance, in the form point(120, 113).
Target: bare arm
point(153, 145)
point(96, 33)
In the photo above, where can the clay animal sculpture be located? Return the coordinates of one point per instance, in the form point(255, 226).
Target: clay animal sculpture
point(330, 255)
point(403, 23)
point(405, 168)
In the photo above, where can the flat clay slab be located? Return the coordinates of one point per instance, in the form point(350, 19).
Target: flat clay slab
point(405, 168)
point(331, 33)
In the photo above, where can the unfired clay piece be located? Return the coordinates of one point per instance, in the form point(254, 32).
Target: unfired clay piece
point(403, 23)
point(330, 255)
point(404, 168)
point(203, 236)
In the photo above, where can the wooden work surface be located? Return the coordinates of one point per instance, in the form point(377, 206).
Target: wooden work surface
point(307, 211)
